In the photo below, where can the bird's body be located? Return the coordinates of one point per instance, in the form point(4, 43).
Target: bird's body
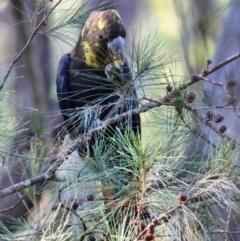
point(94, 81)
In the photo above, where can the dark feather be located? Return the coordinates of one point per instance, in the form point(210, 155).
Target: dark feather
point(63, 84)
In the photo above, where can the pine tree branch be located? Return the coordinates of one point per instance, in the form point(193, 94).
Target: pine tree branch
point(223, 63)
point(58, 160)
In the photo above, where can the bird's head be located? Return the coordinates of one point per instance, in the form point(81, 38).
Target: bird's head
point(103, 38)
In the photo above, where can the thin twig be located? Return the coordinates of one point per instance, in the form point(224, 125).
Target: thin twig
point(3, 161)
point(191, 203)
point(210, 125)
point(216, 83)
point(224, 231)
point(21, 197)
point(202, 135)
point(163, 215)
point(224, 62)
point(26, 45)
point(32, 181)
point(212, 81)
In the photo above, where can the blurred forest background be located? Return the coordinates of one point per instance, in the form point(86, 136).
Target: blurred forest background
point(191, 31)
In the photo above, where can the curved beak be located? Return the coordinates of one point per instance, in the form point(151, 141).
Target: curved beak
point(116, 50)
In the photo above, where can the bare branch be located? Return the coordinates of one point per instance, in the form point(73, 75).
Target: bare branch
point(32, 181)
point(26, 45)
point(210, 125)
point(224, 62)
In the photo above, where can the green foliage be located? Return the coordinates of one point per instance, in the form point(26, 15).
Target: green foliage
point(168, 180)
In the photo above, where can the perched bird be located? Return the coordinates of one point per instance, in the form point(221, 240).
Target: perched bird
point(94, 81)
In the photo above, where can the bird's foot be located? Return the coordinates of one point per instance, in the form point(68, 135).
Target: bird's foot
point(109, 71)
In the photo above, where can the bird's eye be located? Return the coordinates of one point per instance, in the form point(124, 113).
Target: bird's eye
point(100, 37)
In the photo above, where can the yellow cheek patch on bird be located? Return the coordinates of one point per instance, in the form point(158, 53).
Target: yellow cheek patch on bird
point(89, 55)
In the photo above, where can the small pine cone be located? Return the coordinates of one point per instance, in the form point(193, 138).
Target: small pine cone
point(209, 115)
point(231, 83)
point(169, 88)
point(75, 205)
point(205, 72)
point(221, 129)
point(90, 197)
point(182, 197)
point(208, 61)
point(91, 237)
point(219, 118)
point(190, 97)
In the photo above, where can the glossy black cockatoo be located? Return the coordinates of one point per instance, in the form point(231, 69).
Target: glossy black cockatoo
point(94, 81)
